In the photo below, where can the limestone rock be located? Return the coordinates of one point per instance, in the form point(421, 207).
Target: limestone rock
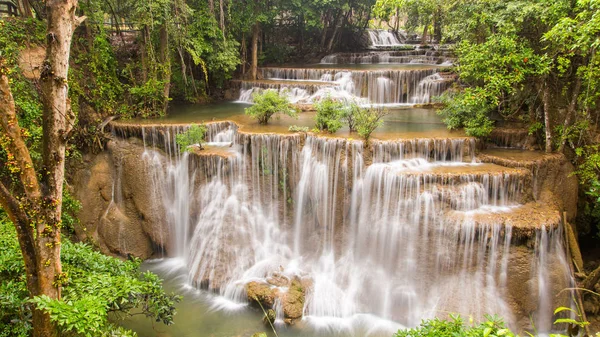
point(121, 212)
point(123, 237)
point(293, 300)
point(262, 292)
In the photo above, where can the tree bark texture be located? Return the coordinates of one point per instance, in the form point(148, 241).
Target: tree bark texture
point(547, 117)
point(34, 205)
point(165, 61)
point(254, 66)
point(222, 17)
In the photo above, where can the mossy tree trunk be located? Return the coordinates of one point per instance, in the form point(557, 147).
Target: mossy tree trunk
point(254, 66)
point(34, 202)
point(165, 66)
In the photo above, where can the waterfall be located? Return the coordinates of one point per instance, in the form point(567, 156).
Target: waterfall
point(389, 57)
point(402, 231)
point(383, 38)
point(366, 87)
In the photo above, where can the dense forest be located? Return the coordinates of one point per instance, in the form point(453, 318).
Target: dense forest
point(527, 64)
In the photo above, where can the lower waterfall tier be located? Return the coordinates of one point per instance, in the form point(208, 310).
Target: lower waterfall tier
point(325, 229)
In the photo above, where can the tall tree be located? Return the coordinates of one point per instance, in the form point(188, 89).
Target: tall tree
point(34, 201)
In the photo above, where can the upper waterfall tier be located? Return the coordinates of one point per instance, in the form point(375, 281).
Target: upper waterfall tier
point(420, 56)
point(383, 39)
point(366, 86)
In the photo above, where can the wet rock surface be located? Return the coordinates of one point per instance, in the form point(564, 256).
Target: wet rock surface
point(291, 295)
point(120, 211)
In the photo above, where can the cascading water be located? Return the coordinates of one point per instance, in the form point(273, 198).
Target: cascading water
point(389, 57)
point(394, 233)
point(410, 79)
point(383, 39)
point(377, 87)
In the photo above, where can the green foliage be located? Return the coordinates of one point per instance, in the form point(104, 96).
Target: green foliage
point(573, 325)
point(70, 208)
point(94, 75)
point(498, 70)
point(501, 65)
point(15, 311)
point(93, 286)
point(368, 120)
point(268, 103)
point(330, 114)
point(349, 116)
point(454, 327)
point(15, 35)
point(148, 98)
point(192, 136)
point(296, 128)
point(468, 109)
point(588, 172)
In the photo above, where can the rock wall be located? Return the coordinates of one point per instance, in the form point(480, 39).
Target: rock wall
point(120, 211)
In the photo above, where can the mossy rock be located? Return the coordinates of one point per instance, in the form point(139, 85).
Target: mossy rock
point(293, 302)
point(260, 334)
point(261, 292)
point(270, 317)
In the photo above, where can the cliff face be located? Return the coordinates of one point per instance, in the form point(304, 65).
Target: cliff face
point(120, 209)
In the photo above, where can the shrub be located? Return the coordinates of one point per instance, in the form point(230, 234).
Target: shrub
point(268, 103)
point(93, 285)
point(296, 128)
point(349, 116)
point(493, 326)
point(330, 115)
point(367, 120)
point(468, 109)
point(192, 136)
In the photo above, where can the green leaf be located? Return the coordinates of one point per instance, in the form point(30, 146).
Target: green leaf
point(561, 309)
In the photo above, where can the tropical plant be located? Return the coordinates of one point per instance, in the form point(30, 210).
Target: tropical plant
point(296, 128)
point(493, 326)
point(93, 284)
point(268, 103)
point(368, 120)
point(330, 114)
point(192, 136)
point(349, 116)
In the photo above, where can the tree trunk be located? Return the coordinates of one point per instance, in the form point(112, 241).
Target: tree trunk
point(25, 8)
point(165, 66)
point(338, 23)
point(211, 6)
point(571, 111)
point(590, 281)
point(254, 66)
point(425, 33)
point(244, 53)
point(325, 29)
point(222, 18)
point(547, 120)
point(437, 25)
point(145, 52)
point(40, 243)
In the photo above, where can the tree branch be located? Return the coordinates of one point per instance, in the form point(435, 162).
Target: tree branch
point(12, 141)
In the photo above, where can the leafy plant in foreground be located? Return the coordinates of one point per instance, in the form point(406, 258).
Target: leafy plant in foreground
point(329, 115)
point(368, 120)
point(455, 327)
point(94, 285)
point(192, 136)
point(268, 103)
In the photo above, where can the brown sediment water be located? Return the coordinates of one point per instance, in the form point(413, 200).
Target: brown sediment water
point(401, 123)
